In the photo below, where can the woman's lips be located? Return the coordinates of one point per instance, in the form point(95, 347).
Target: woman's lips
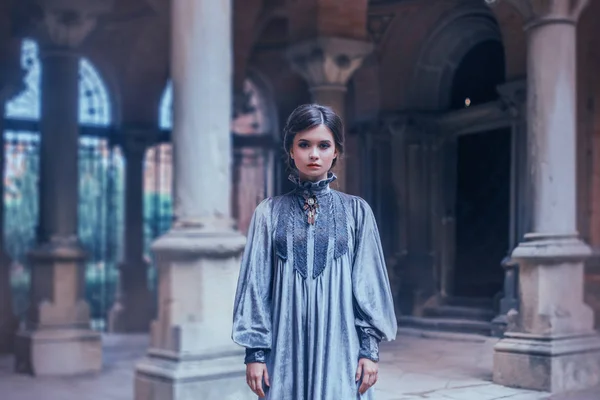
point(313, 166)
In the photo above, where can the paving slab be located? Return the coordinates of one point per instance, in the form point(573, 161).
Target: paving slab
point(411, 368)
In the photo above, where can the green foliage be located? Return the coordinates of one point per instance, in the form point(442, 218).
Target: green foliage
point(101, 213)
point(21, 208)
point(158, 209)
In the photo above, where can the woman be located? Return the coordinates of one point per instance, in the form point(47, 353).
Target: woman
point(313, 298)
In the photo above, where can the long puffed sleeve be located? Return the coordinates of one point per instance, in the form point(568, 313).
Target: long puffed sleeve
point(252, 305)
point(375, 318)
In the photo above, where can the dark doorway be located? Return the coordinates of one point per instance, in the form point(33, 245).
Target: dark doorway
point(476, 79)
point(482, 212)
point(483, 179)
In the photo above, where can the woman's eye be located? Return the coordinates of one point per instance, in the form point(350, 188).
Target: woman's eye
point(324, 145)
point(303, 145)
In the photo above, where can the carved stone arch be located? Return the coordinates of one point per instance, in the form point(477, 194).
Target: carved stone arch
point(456, 34)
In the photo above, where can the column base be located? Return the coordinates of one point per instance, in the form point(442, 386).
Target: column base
point(551, 364)
point(220, 378)
point(133, 310)
point(191, 350)
point(56, 339)
point(505, 322)
point(60, 352)
point(552, 346)
point(499, 326)
point(9, 323)
point(134, 317)
point(550, 249)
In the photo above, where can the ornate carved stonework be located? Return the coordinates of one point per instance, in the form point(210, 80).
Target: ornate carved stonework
point(328, 61)
point(377, 25)
point(538, 12)
point(514, 97)
point(64, 23)
point(136, 140)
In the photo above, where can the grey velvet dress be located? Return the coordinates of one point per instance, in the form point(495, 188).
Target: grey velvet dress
point(313, 298)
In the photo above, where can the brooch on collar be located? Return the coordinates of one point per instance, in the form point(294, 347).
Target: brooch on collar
point(311, 205)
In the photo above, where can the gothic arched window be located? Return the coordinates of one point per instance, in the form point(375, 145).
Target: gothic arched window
point(94, 104)
point(27, 104)
point(100, 180)
point(165, 117)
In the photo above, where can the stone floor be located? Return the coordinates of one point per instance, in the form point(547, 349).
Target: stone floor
point(411, 368)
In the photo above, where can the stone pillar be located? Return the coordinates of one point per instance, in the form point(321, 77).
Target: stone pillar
point(11, 82)
point(514, 96)
point(58, 324)
point(327, 64)
point(8, 320)
point(444, 199)
point(191, 353)
point(412, 169)
point(554, 346)
point(133, 309)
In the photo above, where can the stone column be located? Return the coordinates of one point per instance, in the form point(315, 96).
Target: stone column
point(11, 82)
point(412, 169)
point(445, 163)
point(58, 324)
point(553, 346)
point(327, 64)
point(133, 309)
point(191, 353)
point(8, 321)
point(514, 96)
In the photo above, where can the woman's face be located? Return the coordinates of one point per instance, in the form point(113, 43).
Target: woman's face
point(313, 152)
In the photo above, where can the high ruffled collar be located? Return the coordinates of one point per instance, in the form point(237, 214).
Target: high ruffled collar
point(308, 187)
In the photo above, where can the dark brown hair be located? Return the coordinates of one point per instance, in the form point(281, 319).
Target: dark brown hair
point(309, 116)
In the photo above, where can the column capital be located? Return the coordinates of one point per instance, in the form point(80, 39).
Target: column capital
point(514, 96)
point(65, 23)
point(411, 125)
point(328, 62)
point(536, 12)
point(514, 92)
point(138, 140)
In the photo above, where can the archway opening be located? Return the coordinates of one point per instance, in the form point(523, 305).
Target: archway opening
point(478, 75)
point(483, 179)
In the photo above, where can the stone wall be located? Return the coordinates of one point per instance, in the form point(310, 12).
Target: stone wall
point(336, 18)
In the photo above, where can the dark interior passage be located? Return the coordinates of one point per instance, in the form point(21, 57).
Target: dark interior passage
point(478, 76)
point(482, 212)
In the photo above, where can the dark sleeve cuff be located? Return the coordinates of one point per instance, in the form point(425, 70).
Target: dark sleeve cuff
point(255, 356)
point(369, 344)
